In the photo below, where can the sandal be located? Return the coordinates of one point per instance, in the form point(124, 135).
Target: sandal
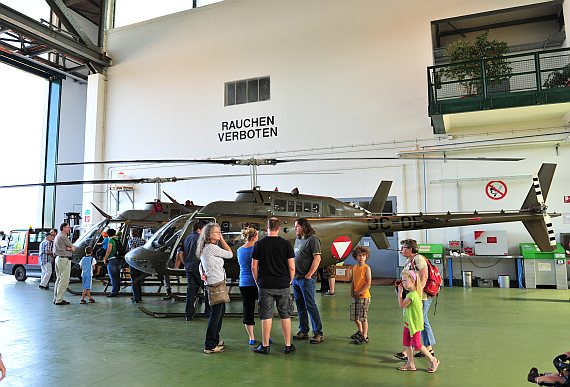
point(401, 356)
point(433, 366)
point(83, 302)
point(91, 300)
point(407, 367)
point(419, 354)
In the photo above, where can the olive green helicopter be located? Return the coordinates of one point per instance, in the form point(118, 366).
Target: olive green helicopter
point(339, 225)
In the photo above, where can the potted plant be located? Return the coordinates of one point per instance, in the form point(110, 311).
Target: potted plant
point(466, 63)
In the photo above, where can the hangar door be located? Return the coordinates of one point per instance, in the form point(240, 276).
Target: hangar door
point(383, 263)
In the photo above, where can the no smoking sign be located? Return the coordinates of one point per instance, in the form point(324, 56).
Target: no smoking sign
point(496, 190)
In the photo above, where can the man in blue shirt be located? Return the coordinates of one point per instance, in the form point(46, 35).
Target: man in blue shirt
point(191, 264)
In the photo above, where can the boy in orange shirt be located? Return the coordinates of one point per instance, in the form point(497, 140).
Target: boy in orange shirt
point(360, 292)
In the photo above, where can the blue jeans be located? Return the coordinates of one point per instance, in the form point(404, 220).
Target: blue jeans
point(194, 281)
point(214, 326)
point(114, 269)
point(304, 291)
point(427, 334)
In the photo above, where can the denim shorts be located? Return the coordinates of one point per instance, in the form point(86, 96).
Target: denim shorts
point(283, 299)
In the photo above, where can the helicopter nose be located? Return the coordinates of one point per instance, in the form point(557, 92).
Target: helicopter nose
point(145, 260)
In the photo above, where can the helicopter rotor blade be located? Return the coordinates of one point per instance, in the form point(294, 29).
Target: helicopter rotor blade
point(254, 161)
point(146, 180)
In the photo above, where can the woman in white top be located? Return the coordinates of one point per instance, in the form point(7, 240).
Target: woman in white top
point(212, 269)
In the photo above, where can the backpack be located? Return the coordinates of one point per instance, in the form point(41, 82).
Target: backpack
point(120, 251)
point(433, 283)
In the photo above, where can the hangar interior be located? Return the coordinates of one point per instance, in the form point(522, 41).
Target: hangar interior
point(241, 79)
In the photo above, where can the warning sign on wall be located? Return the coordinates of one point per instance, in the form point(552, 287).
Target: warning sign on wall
point(496, 190)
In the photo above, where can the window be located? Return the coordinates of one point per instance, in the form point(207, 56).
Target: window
point(298, 207)
point(291, 206)
point(247, 90)
point(280, 205)
point(315, 207)
point(332, 210)
point(307, 207)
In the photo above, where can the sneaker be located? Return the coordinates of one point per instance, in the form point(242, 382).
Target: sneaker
point(301, 336)
point(218, 349)
point(328, 293)
point(356, 335)
point(261, 349)
point(361, 340)
point(289, 348)
point(168, 296)
point(532, 375)
point(316, 339)
point(62, 302)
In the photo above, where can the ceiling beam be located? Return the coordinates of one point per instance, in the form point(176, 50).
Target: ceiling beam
point(37, 31)
point(67, 19)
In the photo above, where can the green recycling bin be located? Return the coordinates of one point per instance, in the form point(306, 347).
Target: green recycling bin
point(544, 269)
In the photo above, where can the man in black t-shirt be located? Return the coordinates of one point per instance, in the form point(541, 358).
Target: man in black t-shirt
point(273, 267)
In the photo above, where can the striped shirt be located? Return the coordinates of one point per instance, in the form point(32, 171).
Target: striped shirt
point(212, 262)
point(45, 246)
point(135, 242)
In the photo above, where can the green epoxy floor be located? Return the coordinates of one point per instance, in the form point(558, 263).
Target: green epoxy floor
point(485, 337)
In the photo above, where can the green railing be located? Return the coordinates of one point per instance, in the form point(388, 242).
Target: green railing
point(515, 80)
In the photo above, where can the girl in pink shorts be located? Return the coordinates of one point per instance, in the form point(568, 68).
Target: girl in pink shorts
point(413, 321)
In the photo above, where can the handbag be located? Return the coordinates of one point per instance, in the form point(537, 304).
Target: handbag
point(218, 293)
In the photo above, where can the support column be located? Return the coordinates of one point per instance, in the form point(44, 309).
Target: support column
point(49, 158)
point(94, 137)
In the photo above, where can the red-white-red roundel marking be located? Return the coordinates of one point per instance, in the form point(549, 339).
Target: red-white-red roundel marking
point(341, 247)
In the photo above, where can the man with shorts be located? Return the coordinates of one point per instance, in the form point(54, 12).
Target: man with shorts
point(273, 268)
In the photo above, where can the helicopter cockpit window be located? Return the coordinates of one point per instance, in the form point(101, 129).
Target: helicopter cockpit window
point(316, 207)
point(165, 238)
point(290, 206)
point(280, 205)
point(306, 207)
point(298, 206)
point(87, 238)
point(332, 210)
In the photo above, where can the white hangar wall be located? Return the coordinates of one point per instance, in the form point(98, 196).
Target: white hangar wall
point(347, 79)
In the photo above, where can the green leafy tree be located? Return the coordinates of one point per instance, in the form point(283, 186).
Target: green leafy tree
point(466, 58)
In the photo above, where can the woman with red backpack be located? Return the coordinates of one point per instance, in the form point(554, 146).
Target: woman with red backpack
point(418, 263)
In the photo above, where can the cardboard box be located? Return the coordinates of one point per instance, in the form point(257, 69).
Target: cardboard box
point(344, 273)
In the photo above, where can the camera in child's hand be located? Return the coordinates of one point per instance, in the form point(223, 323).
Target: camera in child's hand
point(396, 284)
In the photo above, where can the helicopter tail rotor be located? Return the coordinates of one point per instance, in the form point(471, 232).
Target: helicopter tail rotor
point(540, 229)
